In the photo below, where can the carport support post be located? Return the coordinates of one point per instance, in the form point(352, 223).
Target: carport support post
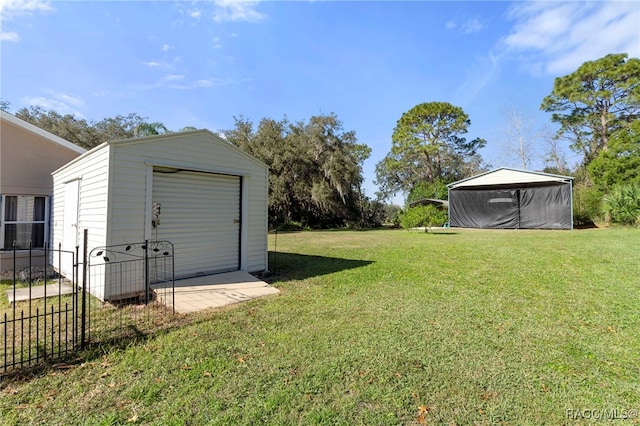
point(449, 207)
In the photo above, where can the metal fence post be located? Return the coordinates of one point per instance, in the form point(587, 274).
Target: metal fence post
point(84, 289)
point(146, 272)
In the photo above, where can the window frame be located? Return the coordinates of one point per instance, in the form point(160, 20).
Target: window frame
point(4, 223)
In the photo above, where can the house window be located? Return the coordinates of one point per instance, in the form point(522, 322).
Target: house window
point(24, 221)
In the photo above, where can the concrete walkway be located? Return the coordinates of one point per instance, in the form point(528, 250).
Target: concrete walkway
point(213, 291)
point(38, 292)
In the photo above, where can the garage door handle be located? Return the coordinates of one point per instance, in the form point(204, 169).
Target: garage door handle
point(236, 221)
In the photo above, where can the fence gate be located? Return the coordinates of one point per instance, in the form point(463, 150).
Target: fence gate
point(48, 316)
point(138, 281)
point(43, 317)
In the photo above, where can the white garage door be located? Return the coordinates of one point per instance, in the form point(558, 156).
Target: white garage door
point(200, 215)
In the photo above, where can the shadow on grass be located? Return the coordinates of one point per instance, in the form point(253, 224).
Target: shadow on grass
point(294, 266)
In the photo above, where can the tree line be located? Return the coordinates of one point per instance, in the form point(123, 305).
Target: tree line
point(316, 165)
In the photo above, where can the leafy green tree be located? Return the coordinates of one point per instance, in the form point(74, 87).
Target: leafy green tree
point(597, 99)
point(150, 129)
point(619, 164)
point(89, 134)
point(68, 126)
point(436, 190)
point(427, 145)
point(315, 169)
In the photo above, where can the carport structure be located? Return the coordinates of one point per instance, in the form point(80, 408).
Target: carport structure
point(506, 198)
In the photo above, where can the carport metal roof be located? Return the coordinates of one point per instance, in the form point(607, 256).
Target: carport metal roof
point(507, 176)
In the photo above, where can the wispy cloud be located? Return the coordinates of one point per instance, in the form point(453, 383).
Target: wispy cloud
point(485, 70)
point(202, 84)
point(216, 43)
point(181, 82)
point(166, 47)
point(156, 64)
point(237, 10)
point(469, 26)
point(60, 102)
point(556, 38)
point(10, 9)
point(195, 13)
point(9, 36)
point(173, 77)
point(472, 26)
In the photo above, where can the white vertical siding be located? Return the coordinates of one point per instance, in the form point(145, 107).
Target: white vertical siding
point(92, 169)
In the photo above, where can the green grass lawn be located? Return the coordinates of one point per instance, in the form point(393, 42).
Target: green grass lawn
point(382, 327)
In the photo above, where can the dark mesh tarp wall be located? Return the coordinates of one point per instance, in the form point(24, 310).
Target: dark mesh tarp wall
point(544, 207)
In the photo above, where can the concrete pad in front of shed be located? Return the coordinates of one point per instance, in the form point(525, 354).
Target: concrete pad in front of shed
point(38, 292)
point(213, 291)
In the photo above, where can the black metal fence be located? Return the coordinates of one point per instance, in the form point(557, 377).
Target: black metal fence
point(42, 320)
point(112, 293)
point(138, 281)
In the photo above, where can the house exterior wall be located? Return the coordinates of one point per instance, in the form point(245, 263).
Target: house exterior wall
point(28, 155)
point(27, 159)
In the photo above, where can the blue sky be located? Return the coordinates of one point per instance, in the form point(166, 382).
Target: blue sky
point(200, 63)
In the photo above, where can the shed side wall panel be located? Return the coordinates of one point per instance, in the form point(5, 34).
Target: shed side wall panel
point(93, 173)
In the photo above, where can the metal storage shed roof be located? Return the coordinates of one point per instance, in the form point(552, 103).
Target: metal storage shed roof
point(508, 176)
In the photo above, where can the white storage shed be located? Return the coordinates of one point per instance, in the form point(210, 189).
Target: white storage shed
point(210, 195)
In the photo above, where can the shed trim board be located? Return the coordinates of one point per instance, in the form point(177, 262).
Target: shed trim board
point(508, 198)
point(117, 196)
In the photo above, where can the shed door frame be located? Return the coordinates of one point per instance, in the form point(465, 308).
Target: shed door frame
point(243, 203)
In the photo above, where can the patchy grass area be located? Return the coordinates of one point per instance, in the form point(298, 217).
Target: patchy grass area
point(382, 327)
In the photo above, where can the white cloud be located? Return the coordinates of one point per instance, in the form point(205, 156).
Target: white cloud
point(485, 70)
point(202, 83)
point(12, 8)
point(68, 99)
point(472, 26)
point(236, 10)
point(173, 77)
point(556, 38)
point(156, 64)
point(551, 38)
point(60, 102)
point(195, 13)
point(216, 43)
point(166, 47)
point(9, 36)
